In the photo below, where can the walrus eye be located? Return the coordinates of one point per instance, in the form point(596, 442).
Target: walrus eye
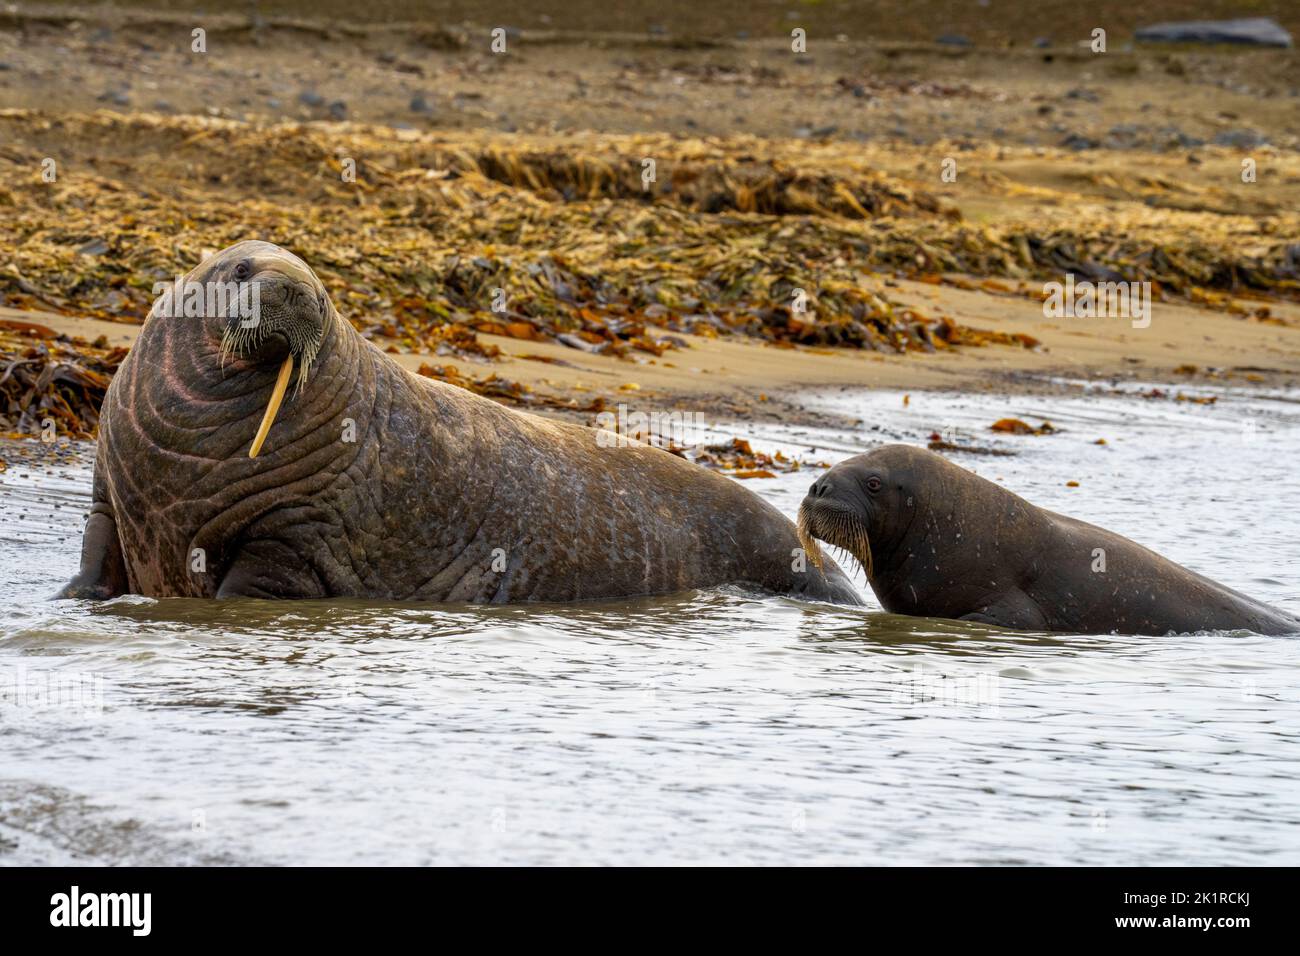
point(242, 270)
point(873, 484)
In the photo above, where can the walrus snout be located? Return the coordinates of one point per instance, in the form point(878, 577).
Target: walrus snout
point(272, 348)
point(828, 513)
point(288, 293)
point(285, 322)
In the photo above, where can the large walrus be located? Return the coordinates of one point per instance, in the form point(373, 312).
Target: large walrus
point(376, 483)
point(939, 541)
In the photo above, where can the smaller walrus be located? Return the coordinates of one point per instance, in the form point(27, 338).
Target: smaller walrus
point(937, 540)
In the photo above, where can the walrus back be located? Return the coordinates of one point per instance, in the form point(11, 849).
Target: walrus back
point(1132, 589)
point(581, 514)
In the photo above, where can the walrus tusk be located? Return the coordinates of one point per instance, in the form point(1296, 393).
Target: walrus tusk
point(803, 528)
point(277, 396)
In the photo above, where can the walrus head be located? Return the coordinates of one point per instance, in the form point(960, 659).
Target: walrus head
point(274, 311)
point(864, 506)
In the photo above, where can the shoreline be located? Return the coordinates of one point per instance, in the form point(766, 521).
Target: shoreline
point(753, 380)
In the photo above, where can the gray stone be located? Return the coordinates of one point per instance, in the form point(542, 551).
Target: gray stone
point(1240, 137)
point(1253, 31)
point(1077, 141)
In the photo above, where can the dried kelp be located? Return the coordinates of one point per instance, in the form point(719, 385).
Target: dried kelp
point(51, 385)
point(738, 459)
point(433, 239)
point(429, 235)
point(506, 391)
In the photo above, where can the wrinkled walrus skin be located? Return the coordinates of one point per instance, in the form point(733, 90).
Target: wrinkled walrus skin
point(940, 541)
point(416, 507)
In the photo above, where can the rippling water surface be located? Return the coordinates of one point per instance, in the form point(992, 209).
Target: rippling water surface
point(700, 728)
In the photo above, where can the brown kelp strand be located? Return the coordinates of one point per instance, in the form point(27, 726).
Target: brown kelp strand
point(48, 380)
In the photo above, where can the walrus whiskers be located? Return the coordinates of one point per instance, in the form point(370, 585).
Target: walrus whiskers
point(853, 540)
point(238, 339)
point(841, 531)
point(810, 546)
point(273, 406)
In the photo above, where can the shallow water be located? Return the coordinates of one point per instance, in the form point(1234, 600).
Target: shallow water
point(700, 728)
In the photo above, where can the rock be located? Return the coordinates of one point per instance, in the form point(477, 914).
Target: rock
point(419, 104)
point(1042, 43)
point(338, 110)
point(1122, 136)
point(1176, 137)
point(311, 98)
point(953, 39)
point(1252, 31)
point(1080, 93)
point(116, 97)
point(1240, 137)
point(1077, 141)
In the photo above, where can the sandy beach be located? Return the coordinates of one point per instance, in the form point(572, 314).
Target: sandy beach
point(974, 175)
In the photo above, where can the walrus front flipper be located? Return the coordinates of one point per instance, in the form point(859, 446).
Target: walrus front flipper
point(270, 569)
point(103, 569)
point(1013, 610)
